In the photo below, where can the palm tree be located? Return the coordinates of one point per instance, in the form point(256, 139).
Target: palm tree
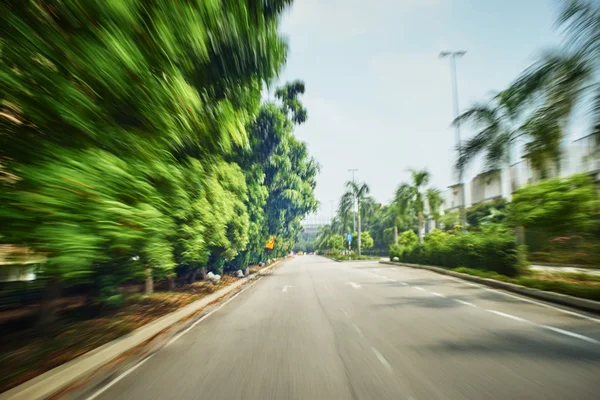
point(550, 89)
point(360, 194)
point(582, 22)
point(434, 201)
point(412, 195)
point(368, 207)
point(324, 233)
point(498, 127)
point(538, 105)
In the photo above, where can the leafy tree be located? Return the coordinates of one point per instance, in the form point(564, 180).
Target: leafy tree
point(450, 220)
point(137, 142)
point(558, 205)
point(336, 242)
point(366, 241)
point(482, 213)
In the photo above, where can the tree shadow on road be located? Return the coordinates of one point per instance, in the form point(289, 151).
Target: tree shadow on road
point(427, 301)
point(513, 343)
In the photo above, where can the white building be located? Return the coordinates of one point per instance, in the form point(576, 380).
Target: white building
point(580, 156)
point(486, 186)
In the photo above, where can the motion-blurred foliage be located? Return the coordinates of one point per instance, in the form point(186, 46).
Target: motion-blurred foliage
point(132, 136)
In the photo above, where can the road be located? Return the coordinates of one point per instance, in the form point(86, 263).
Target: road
point(317, 329)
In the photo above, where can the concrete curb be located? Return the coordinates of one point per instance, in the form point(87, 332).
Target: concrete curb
point(562, 299)
point(51, 382)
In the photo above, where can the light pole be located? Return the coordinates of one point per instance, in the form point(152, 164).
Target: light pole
point(353, 170)
point(330, 211)
point(452, 55)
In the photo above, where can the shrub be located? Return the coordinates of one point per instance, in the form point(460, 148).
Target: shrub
point(407, 240)
point(493, 249)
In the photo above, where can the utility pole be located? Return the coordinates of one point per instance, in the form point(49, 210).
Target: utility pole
point(353, 170)
point(452, 55)
point(330, 211)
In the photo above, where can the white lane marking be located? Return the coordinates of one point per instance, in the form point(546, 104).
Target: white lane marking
point(353, 284)
point(466, 303)
point(357, 329)
point(403, 283)
point(437, 294)
point(572, 334)
point(420, 288)
point(285, 288)
point(508, 316)
point(381, 358)
point(346, 314)
point(525, 299)
point(117, 379)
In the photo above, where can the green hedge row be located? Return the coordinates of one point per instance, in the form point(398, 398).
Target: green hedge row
point(489, 250)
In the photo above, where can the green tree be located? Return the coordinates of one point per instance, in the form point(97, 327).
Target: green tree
point(558, 205)
point(580, 18)
point(434, 201)
point(366, 241)
point(121, 144)
point(358, 193)
point(537, 107)
point(412, 195)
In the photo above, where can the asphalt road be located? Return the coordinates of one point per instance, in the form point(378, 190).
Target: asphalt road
point(317, 329)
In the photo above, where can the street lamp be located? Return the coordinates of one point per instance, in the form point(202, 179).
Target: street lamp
point(353, 170)
point(452, 55)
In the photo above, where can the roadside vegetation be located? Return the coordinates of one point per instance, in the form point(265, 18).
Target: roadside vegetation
point(136, 150)
point(554, 220)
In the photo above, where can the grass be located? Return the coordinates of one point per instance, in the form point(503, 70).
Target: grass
point(580, 285)
point(26, 352)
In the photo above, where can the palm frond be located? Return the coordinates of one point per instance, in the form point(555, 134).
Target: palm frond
point(479, 116)
point(497, 151)
point(581, 19)
point(475, 145)
point(419, 178)
point(435, 201)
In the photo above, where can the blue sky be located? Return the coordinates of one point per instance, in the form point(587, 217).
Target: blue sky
point(378, 96)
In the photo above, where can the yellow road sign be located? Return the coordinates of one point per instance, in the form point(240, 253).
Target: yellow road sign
point(271, 243)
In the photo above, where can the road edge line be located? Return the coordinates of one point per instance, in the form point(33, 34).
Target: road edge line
point(551, 297)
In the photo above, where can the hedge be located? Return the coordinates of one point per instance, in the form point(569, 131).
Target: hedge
point(493, 249)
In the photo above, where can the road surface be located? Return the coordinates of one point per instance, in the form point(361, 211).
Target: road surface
point(317, 329)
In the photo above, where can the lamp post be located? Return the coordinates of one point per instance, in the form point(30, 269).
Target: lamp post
point(353, 170)
point(452, 55)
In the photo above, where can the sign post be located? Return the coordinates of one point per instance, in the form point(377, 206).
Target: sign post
point(349, 239)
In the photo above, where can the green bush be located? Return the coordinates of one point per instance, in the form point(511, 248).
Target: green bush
point(493, 249)
point(407, 241)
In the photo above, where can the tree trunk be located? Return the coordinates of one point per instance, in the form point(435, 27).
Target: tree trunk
point(395, 234)
point(358, 241)
point(48, 309)
point(171, 284)
point(520, 234)
point(194, 274)
point(149, 282)
point(420, 227)
point(203, 273)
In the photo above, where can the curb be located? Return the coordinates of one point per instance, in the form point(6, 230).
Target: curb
point(59, 378)
point(562, 299)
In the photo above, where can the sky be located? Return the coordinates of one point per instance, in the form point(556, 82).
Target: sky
point(378, 97)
